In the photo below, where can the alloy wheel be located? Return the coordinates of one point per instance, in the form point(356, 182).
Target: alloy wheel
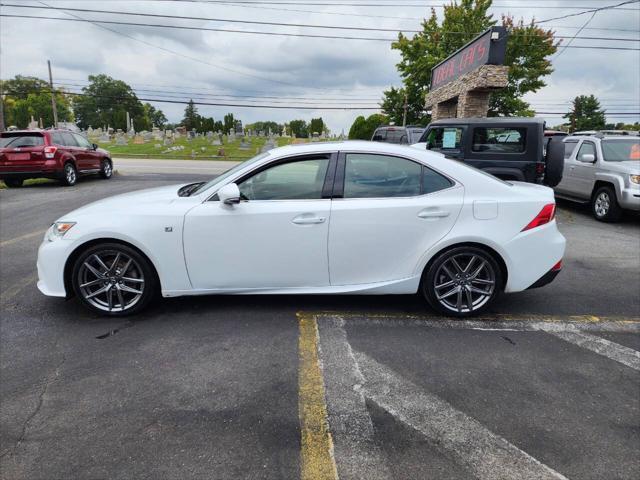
point(464, 283)
point(603, 203)
point(111, 281)
point(70, 174)
point(107, 170)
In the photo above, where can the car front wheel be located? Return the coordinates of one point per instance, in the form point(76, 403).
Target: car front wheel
point(462, 282)
point(605, 205)
point(113, 279)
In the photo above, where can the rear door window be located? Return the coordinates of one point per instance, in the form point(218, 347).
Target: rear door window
point(56, 138)
point(569, 147)
point(381, 176)
point(68, 139)
point(396, 136)
point(21, 140)
point(499, 140)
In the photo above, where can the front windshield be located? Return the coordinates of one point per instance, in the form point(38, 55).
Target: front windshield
point(621, 149)
point(229, 173)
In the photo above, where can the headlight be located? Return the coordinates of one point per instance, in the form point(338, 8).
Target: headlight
point(635, 179)
point(58, 230)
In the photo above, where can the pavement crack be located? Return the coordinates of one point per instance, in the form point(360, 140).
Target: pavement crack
point(507, 339)
point(41, 397)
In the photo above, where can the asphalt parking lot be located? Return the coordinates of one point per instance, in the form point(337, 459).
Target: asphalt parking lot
point(546, 385)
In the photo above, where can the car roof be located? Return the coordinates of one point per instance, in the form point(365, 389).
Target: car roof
point(346, 145)
point(465, 121)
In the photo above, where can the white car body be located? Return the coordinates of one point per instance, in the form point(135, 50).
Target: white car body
point(324, 246)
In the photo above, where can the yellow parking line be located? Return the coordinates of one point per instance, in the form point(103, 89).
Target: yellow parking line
point(22, 237)
point(316, 454)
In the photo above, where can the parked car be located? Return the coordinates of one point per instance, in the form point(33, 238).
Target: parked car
point(509, 148)
point(58, 154)
point(323, 218)
point(402, 135)
point(603, 170)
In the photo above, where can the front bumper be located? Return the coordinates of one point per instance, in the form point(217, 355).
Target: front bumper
point(52, 257)
point(630, 199)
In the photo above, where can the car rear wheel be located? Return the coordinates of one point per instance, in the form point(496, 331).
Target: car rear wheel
point(13, 182)
point(605, 205)
point(114, 279)
point(69, 175)
point(462, 282)
point(106, 168)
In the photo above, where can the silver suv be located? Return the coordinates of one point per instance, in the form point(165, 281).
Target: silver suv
point(603, 170)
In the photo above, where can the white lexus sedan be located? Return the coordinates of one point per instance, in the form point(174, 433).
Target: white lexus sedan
point(322, 218)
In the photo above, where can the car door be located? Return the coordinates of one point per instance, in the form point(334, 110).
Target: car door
point(91, 157)
point(567, 184)
point(386, 213)
point(584, 170)
point(78, 152)
point(276, 237)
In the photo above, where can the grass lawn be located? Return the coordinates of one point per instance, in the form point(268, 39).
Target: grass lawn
point(193, 150)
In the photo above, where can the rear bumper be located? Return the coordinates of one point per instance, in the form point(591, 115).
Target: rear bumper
point(546, 279)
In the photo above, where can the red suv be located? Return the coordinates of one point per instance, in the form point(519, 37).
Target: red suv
point(59, 154)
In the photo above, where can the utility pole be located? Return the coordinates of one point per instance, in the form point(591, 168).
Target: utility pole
point(406, 105)
point(53, 97)
point(1, 109)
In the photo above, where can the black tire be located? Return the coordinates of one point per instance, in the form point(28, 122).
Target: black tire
point(604, 205)
point(437, 284)
point(69, 175)
point(554, 162)
point(13, 182)
point(99, 268)
point(106, 169)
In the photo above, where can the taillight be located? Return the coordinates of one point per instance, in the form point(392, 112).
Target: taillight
point(547, 214)
point(557, 267)
point(50, 152)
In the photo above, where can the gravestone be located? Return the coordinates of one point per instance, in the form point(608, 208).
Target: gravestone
point(121, 139)
point(244, 145)
point(138, 140)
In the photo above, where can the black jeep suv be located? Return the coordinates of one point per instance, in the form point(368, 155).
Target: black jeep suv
point(509, 148)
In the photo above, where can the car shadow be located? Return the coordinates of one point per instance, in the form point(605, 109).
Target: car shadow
point(584, 211)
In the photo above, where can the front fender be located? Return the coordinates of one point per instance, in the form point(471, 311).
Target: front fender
point(614, 179)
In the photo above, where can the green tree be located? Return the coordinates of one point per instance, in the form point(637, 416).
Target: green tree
point(191, 118)
point(275, 127)
point(316, 126)
point(528, 49)
point(586, 114)
point(26, 97)
point(229, 123)
point(155, 117)
point(299, 128)
point(363, 128)
point(106, 101)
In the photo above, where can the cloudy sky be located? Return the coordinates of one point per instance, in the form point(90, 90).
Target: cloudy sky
point(232, 68)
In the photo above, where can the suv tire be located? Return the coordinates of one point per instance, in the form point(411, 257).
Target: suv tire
point(554, 162)
point(114, 279)
point(462, 282)
point(69, 175)
point(604, 205)
point(106, 169)
point(13, 182)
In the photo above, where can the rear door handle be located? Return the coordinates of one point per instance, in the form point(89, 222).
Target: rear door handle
point(308, 220)
point(433, 214)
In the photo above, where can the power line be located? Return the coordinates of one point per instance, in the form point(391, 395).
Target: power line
point(280, 24)
point(183, 27)
point(607, 7)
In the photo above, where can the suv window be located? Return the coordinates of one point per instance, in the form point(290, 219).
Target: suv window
point(56, 138)
point(433, 181)
point(379, 135)
point(378, 176)
point(619, 150)
point(296, 180)
point(81, 141)
point(24, 140)
point(68, 140)
point(569, 147)
point(585, 149)
point(499, 140)
point(397, 136)
point(445, 138)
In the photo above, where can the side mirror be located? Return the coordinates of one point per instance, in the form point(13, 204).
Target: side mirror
point(94, 146)
point(588, 158)
point(229, 194)
point(428, 145)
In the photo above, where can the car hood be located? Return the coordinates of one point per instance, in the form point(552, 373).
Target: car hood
point(628, 166)
point(131, 202)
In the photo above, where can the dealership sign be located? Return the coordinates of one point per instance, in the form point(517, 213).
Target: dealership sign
point(488, 48)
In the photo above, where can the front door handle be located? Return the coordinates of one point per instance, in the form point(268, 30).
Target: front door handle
point(433, 214)
point(308, 220)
